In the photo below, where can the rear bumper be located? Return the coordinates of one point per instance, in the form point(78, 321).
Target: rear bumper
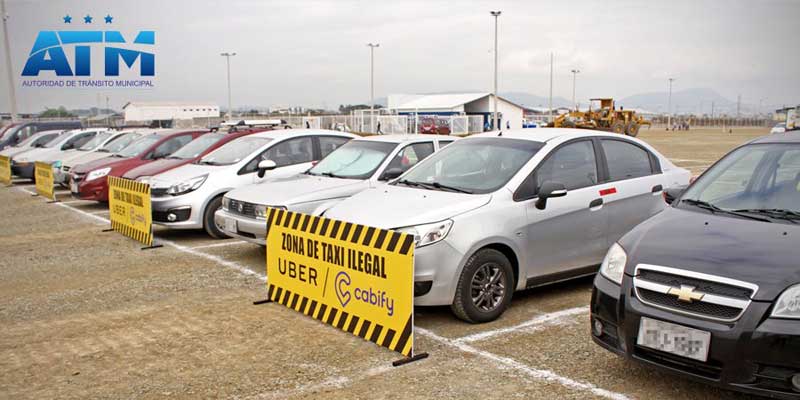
point(749, 355)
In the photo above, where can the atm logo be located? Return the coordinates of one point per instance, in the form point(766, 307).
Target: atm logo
point(48, 53)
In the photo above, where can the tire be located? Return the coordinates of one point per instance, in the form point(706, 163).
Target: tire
point(618, 127)
point(480, 267)
point(632, 130)
point(208, 219)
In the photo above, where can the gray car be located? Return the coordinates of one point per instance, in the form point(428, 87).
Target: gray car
point(499, 212)
point(357, 165)
point(188, 196)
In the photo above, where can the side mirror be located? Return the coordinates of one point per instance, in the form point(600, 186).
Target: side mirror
point(673, 193)
point(550, 190)
point(391, 173)
point(264, 166)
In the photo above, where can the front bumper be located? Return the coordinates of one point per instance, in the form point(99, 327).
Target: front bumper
point(94, 190)
point(755, 354)
point(187, 208)
point(249, 229)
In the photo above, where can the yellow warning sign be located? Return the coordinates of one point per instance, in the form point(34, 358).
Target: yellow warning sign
point(129, 206)
point(357, 278)
point(44, 180)
point(5, 170)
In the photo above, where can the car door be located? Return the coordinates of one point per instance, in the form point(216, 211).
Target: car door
point(291, 157)
point(568, 237)
point(633, 185)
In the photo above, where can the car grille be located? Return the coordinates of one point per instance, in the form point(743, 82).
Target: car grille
point(242, 208)
point(715, 298)
point(65, 168)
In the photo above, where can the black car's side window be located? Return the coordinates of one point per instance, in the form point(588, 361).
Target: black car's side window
point(626, 160)
point(573, 165)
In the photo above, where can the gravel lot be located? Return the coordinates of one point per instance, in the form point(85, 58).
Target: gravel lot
point(87, 314)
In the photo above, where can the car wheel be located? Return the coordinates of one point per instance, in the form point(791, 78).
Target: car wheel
point(484, 288)
point(209, 224)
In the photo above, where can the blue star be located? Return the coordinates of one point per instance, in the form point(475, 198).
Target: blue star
point(87, 19)
point(108, 18)
point(67, 19)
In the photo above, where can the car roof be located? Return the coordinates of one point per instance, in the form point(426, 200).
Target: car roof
point(788, 137)
point(402, 138)
point(291, 133)
point(546, 134)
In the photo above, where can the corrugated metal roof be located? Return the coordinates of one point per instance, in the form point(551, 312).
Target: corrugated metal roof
point(170, 104)
point(442, 101)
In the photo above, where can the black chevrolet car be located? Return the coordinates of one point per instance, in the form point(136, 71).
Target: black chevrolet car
point(710, 287)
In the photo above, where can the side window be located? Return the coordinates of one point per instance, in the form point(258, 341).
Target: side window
point(290, 152)
point(410, 155)
point(625, 160)
point(25, 133)
point(78, 140)
point(327, 144)
point(170, 146)
point(573, 164)
point(443, 143)
point(41, 140)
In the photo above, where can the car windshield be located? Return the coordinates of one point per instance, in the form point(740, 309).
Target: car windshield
point(198, 146)
point(757, 179)
point(28, 142)
point(357, 159)
point(138, 146)
point(96, 141)
point(58, 140)
point(234, 151)
point(480, 165)
point(119, 143)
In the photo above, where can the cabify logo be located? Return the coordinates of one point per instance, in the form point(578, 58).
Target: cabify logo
point(51, 48)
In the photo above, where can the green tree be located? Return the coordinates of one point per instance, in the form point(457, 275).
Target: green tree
point(59, 112)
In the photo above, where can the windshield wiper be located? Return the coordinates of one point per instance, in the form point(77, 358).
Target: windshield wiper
point(714, 209)
point(452, 188)
point(207, 162)
point(331, 175)
point(412, 183)
point(777, 213)
point(433, 185)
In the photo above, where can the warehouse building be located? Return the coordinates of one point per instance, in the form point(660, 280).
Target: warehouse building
point(167, 111)
point(472, 104)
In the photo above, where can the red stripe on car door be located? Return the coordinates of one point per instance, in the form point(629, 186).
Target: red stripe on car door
point(606, 192)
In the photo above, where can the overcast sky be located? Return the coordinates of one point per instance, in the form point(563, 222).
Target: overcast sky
point(315, 54)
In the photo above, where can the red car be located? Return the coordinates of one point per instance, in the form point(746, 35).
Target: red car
point(187, 154)
point(88, 181)
point(434, 126)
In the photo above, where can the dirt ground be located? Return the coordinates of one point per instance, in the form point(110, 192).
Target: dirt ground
point(87, 314)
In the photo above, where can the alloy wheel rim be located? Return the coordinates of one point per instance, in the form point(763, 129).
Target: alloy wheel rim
point(488, 287)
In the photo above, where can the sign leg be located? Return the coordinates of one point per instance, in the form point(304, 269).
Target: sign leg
point(404, 361)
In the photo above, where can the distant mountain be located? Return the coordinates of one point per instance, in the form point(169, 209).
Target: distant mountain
point(532, 100)
point(694, 101)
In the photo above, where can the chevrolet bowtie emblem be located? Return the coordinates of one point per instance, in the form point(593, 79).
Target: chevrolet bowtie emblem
point(241, 207)
point(686, 293)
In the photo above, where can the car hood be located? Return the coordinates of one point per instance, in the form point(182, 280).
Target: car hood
point(100, 163)
point(182, 173)
point(156, 167)
point(762, 253)
point(35, 154)
point(60, 155)
point(84, 158)
point(299, 189)
point(391, 206)
point(16, 151)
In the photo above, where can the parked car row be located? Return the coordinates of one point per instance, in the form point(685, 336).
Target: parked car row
point(705, 284)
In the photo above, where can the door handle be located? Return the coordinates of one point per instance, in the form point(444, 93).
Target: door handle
point(657, 188)
point(596, 203)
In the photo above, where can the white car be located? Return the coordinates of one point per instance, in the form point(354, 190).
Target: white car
point(188, 196)
point(22, 165)
point(126, 137)
point(360, 164)
point(35, 141)
point(778, 128)
point(499, 212)
point(97, 144)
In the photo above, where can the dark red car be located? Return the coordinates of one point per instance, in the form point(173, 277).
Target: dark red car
point(88, 181)
point(187, 154)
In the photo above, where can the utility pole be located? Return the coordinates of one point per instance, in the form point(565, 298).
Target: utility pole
point(712, 108)
point(738, 105)
point(108, 114)
point(669, 105)
point(228, 56)
point(12, 90)
point(575, 73)
point(372, 84)
point(495, 14)
point(550, 104)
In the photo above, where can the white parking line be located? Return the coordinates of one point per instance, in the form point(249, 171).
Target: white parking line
point(335, 382)
point(229, 242)
point(553, 318)
point(541, 374)
point(99, 212)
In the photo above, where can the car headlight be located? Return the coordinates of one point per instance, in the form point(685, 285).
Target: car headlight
point(613, 266)
point(428, 233)
point(98, 173)
point(788, 304)
point(226, 203)
point(187, 185)
point(260, 211)
point(143, 179)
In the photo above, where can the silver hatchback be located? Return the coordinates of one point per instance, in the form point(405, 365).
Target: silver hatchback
point(500, 212)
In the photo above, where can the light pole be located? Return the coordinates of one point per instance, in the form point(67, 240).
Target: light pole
point(496, 124)
point(228, 56)
point(575, 73)
point(372, 47)
point(669, 105)
point(12, 92)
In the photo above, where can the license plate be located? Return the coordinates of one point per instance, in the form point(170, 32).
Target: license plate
point(73, 187)
point(674, 339)
point(230, 225)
